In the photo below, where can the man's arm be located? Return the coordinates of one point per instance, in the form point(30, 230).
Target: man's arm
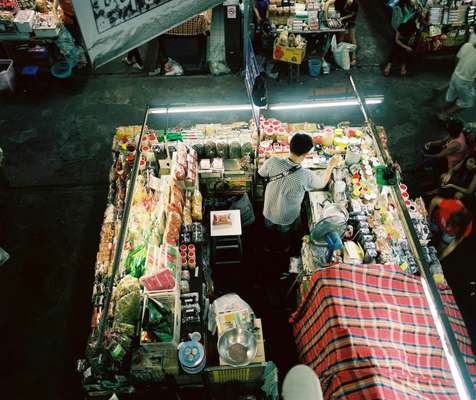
point(445, 251)
point(321, 181)
point(264, 171)
point(448, 150)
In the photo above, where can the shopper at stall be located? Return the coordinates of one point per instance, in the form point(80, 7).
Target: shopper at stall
point(451, 223)
point(287, 182)
point(401, 50)
point(460, 181)
point(443, 155)
point(461, 93)
point(261, 10)
point(347, 10)
point(403, 12)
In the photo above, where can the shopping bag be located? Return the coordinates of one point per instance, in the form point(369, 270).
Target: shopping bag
point(341, 54)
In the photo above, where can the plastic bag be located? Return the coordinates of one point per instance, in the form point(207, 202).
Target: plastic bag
point(228, 303)
point(127, 309)
point(4, 256)
point(235, 149)
point(173, 68)
point(125, 286)
point(341, 54)
point(135, 261)
point(160, 320)
point(246, 210)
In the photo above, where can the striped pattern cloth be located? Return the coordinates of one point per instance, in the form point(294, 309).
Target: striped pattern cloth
point(197, 25)
point(283, 197)
point(368, 333)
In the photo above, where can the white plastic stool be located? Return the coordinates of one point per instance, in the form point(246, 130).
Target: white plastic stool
point(302, 383)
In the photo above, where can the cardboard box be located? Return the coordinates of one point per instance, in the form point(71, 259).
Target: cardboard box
point(291, 55)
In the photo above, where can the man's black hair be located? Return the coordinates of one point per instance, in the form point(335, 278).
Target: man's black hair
point(454, 127)
point(459, 221)
point(301, 144)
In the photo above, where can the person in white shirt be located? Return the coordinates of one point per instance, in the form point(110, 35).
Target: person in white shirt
point(461, 91)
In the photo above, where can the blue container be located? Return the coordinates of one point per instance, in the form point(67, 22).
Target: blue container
point(315, 65)
point(192, 357)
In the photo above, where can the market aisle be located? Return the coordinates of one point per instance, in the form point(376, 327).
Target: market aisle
point(65, 140)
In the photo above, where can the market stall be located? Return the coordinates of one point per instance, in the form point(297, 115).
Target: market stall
point(33, 35)
point(303, 33)
point(160, 320)
point(443, 26)
point(153, 324)
point(367, 257)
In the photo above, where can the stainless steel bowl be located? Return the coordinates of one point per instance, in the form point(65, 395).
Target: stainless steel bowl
point(237, 347)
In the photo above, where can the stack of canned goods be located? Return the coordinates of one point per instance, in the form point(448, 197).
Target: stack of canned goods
point(188, 256)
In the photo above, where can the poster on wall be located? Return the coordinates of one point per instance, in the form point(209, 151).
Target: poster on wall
point(111, 13)
point(110, 28)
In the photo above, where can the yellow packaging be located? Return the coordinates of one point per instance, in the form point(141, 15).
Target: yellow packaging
point(291, 55)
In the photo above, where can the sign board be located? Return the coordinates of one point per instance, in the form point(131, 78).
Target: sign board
point(251, 73)
point(111, 28)
point(231, 12)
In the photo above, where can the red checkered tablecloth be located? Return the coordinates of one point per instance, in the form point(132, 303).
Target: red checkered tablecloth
point(368, 333)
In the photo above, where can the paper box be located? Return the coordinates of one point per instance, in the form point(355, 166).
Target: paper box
point(291, 55)
point(24, 20)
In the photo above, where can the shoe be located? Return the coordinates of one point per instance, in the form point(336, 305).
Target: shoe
point(386, 72)
point(403, 72)
point(137, 66)
point(126, 61)
point(155, 72)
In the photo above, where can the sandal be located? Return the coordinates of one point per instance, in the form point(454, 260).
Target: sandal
point(403, 72)
point(386, 72)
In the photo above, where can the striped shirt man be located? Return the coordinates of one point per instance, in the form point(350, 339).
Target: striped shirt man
point(283, 197)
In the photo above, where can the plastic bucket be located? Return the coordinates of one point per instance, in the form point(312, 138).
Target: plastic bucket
point(315, 65)
point(7, 76)
point(61, 70)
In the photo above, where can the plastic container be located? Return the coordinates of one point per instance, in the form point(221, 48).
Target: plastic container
point(61, 70)
point(315, 65)
point(7, 76)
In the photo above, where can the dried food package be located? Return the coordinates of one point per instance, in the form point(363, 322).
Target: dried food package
point(222, 219)
point(222, 149)
point(197, 201)
point(199, 149)
point(125, 286)
point(126, 310)
point(135, 261)
point(210, 149)
point(235, 149)
point(246, 149)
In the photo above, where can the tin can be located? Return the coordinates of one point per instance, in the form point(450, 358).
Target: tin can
point(191, 247)
point(183, 248)
point(191, 263)
point(184, 262)
point(191, 254)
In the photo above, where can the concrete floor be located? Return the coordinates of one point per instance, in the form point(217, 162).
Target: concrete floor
point(57, 158)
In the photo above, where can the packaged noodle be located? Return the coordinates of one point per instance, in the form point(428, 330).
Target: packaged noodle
point(197, 205)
